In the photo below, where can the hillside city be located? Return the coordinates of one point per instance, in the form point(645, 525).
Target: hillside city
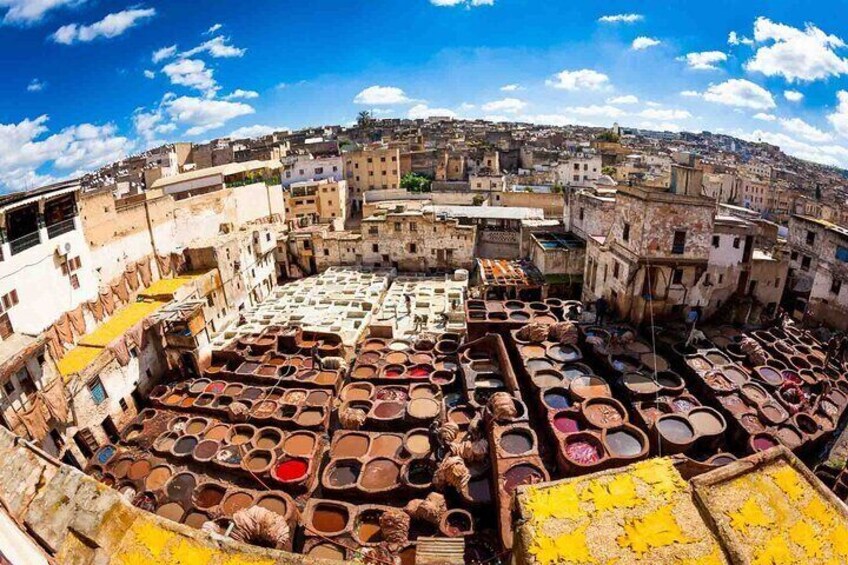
point(425, 341)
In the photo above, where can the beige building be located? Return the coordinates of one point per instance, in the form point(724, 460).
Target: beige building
point(316, 202)
point(371, 168)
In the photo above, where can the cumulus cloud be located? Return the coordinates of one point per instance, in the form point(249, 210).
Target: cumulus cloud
point(839, 118)
point(508, 105)
point(217, 47)
point(734, 38)
point(25, 148)
point(213, 29)
point(690, 93)
point(36, 85)
point(243, 94)
point(621, 18)
point(149, 74)
point(740, 93)
point(31, 11)
point(511, 88)
point(704, 60)
point(379, 95)
point(827, 154)
point(644, 42)
point(664, 114)
point(164, 53)
point(192, 73)
point(793, 95)
point(796, 54)
point(805, 130)
point(257, 130)
point(110, 26)
point(583, 79)
point(764, 117)
point(598, 111)
point(625, 99)
point(200, 115)
point(422, 111)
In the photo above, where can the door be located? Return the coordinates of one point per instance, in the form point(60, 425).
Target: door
point(111, 429)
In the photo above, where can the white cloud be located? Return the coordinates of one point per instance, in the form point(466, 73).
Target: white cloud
point(795, 54)
point(31, 11)
point(508, 105)
point(583, 79)
point(217, 47)
point(36, 85)
point(164, 53)
point(192, 73)
point(257, 130)
point(830, 154)
point(805, 130)
point(110, 26)
point(643, 42)
point(659, 126)
point(626, 99)
point(793, 95)
point(690, 93)
point(381, 95)
point(511, 88)
point(466, 3)
point(422, 111)
point(621, 18)
point(764, 117)
point(200, 115)
point(665, 114)
point(465, 106)
point(741, 93)
point(839, 118)
point(238, 93)
point(595, 111)
point(213, 29)
point(149, 74)
point(704, 60)
point(734, 38)
point(24, 150)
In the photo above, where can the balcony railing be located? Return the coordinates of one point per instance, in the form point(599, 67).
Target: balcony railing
point(25, 242)
point(57, 229)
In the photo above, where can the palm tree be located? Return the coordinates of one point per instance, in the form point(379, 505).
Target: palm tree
point(364, 119)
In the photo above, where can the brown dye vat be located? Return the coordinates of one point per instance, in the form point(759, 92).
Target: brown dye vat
point(735, 376)
point(173, 399)
point(625, 442)
point(421, 359)
point(423, 408)
point(264, 409)
point(217, 432)
point(364, 372)
point(639, 384)
point(397, 357)
point(707, 421)
point(754, 393)
point(184, 446)
point(326, 550)
point(326, 378)
point(386, 446)
point(171, 511)
point(770, 375)
point(329, 518)
point(204, 399)
point(790, 437)
point(310, 417)
point(373, 345)
point(157, 478)
point(456, 522)
point(122, 467)
point(532, 351)
point(516, 442)
point(317, 398)
point(139, 470)
point(369, 357)
point(521, 474)
point(208, 495)
point(258, 461)
point(181, 486)
point(417, 443)
point(187, 402)
point(342, 474)
point(388, 410)
point(274, 504)
point(461, 416)
point(195, 426)
point(236, 501)
point(751, 423)
point(547, 378)
point(399, 394)
point(233, 390)
point(195, 519)
point(379, 474)
point(676, 432)
point(351, 446)
point(295, 397)
point(268, 438)
point(240, 434)
point(299, 444)
point(251, 393)
point(368, 527)
point(587, 387)
point(604, 412)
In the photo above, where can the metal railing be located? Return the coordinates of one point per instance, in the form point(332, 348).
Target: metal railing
point(57, 229)
point(25, 242)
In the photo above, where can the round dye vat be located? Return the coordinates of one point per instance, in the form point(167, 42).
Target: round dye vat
point(252, 393)
point(181, 486)
point(754, 393)
point(395, 393)
point(457, 522)
point(751, 423)
point(195, 519)
point(735, 376)
point(240, 435)
point(317, 398)
point(604, 412)
point(773, 412)
point(547, 378)
point(258, 460)
point(397, 358)
point(185, 445)
point(586, 387)
point(274, 504)
point(567, 423)
point(326, 550)
point(357, 392)
point(640, 384)
point(790, 437)
point(682, 404)
point(233, 390)
point(299, 444)
point(217, 433)
point(556, 399)
point(532, 351)
point(208, 495)
point(418, 443)
point(329, 518)
point(399, 346)
point(326, 378)
point(521, 474)
point(762, 442)
point(461, 416)
point(420, 472)
point(770, 375)
point(268, 438)
point(675, 429)
point(173, 399)
point(421, 358)
point(563, 353)
point(422, 391)
point(393, 371)
point(266, 408)
point(343, 474)
point(351, 445)
point(379, 474)
point(216, 387)
point(423, 408)
point(122, 467)
point(236, 501)
point(516, 442)
point(171, 511)
point(369, 357)
point(624, 443)
point(387, 410)
point(519, 316)
point(540, 364)
point(139, 470)
point(669, 380)
point(368, 527)
point(291, 470)
point(386, 446)
point(206, 449)
point(419, 371)
point(310, 417)
point(158, 477)
point(584, 449)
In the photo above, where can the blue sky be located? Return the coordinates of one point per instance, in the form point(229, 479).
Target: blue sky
point(81, 84)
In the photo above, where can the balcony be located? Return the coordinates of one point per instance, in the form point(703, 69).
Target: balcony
point(57, 229)
point(25, 242)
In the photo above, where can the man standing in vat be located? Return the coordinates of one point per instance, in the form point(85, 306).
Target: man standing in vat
point(316, 361)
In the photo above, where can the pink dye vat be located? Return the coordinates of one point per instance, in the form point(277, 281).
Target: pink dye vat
point(583, 452)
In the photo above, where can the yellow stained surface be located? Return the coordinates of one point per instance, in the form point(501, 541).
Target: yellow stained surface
point(78, 359)
point(120, 322)
point(166, 287)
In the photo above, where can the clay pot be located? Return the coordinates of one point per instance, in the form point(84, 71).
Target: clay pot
point(341, 474)
point(184, 446)
point(583, 450)
point(241, 434)
point(604, 412)
point(676, 433)
point(258, 461)
point(586, 387)
point(205, 451)
point(625, 442)
point(208, 495)
point(762, 442)
point(379, 475)
point(457, 523)
point(707, 422)
point(327, 518)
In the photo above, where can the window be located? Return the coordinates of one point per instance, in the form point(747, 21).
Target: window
point(413, 248)
point(625, 232)
point(677, 276)
point(615, 270)
point(581, 213)
point(805, 262)
point(413, 226)
point(372, 230)
point(835, 286)
point(811, 237)
point(9, 387)
point(736, 242)
point(326, 252)
point(716, 241)
point(398, 226)
point(678, 247)
point(75, 281)
point(375, 248)
point(123, 404)
point(10, 299)
point(842, 253)
point(98, 393)
point(720, 278)
point(794, 256)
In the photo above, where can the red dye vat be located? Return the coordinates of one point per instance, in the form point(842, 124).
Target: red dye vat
point(566, 423)
point(582, 452)
point(418, 372)
point(761, 443)
point(215, 388)
point(393, 373)
point(291, 470)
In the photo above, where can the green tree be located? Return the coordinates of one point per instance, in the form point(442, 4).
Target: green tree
point(415, 183)
point(478, 199)
point(607, 136)
point(365, 119)
point(556, 188)
point(609, 171)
